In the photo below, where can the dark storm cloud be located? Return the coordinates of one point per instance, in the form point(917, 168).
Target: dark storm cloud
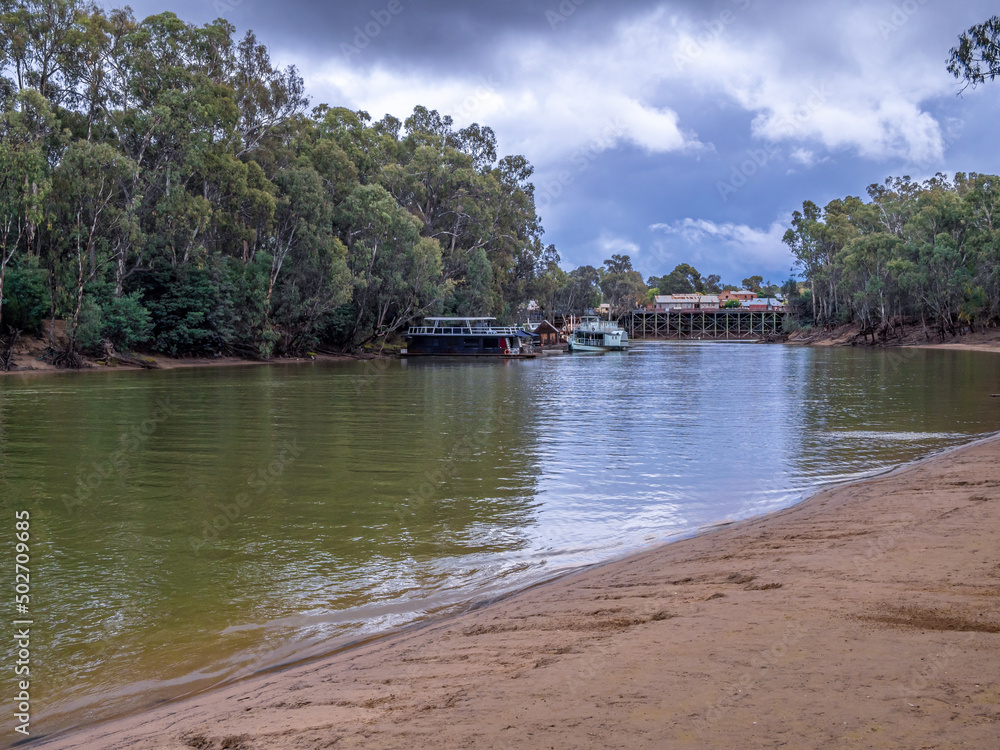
point(673, 131)
point(428, 33)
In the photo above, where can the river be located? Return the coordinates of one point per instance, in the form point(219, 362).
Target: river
point(192, 526)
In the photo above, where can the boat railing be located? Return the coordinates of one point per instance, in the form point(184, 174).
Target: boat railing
point(599, 326)
point(463, 331)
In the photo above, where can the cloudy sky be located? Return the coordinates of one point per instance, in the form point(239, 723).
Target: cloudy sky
point(671, 131)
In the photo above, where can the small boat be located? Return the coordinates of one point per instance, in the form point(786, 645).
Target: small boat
point(467, 337)
point(596, 335)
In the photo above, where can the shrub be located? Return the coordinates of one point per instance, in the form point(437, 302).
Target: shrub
point(89, 325)
point(125, 321)
point(25, 297)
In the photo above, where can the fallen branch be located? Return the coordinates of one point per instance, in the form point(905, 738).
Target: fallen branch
point(113, 358)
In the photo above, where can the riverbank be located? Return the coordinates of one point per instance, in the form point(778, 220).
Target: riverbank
point(910, 337)
point(867, 616)
point(30, 349)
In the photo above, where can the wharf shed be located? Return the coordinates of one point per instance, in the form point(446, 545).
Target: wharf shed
point(668, 302)
point(547, 334)
point(741, 295)
point(763, 303)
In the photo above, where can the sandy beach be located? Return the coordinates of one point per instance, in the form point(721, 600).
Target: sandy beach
point(865, 617)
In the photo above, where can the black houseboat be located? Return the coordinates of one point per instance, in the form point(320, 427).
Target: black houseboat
point(475, 337)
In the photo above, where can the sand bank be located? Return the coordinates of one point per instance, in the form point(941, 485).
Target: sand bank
point(865, 617)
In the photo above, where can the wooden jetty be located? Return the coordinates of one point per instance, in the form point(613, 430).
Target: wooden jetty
point(729, 324)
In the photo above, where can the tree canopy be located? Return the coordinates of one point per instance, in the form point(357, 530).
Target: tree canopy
point(976, 58)
point(165, 185)
point(928, 251)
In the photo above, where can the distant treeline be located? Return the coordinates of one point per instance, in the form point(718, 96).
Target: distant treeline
point(617, 284)
point(927, 251)
point(163, 187)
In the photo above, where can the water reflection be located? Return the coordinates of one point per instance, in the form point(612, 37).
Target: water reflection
point(189, 526)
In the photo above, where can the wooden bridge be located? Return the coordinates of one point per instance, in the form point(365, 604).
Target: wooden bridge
point(704, 325)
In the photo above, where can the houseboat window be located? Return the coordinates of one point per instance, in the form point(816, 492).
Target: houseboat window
point(491, 343)
point(470, 343)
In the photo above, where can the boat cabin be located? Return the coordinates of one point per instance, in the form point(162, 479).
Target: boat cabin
point(596, 335)
point(461, 336)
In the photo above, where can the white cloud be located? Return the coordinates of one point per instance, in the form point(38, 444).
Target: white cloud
point(555, 101)
point(710, 245)
point(858, 91)
point(610, 244)
point(803, 156)
point(559, 93)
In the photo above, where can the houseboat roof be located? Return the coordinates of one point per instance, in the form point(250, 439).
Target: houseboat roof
point(462, 319)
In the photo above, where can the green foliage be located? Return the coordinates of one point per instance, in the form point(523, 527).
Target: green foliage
point(792, 324)
point(25, 297)
point(622, 286)
point(243, 323)
point(166, 179)
point(475, 290)
point(684, 279)
point(126, 323)
point(570, 293)
point(927, 251)
point(185, 306)
point(90, 324)
point(976, 58)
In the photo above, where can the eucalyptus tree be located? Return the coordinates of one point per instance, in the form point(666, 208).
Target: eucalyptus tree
point(981, 195)
point(548, 287)
point(621, 285)
point(976, 57)
point(93, 218)
point(42, 45)
point(815, 239)
point(871, 269)
point(938, 272)
point(455, 198)
point(581, 291)
point(477, 207)
point(26, 129)
point(190, 184)
point(24, 188)
point(684, 279)
point(396, 273)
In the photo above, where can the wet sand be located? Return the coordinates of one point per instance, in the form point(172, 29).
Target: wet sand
point(866, 617)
